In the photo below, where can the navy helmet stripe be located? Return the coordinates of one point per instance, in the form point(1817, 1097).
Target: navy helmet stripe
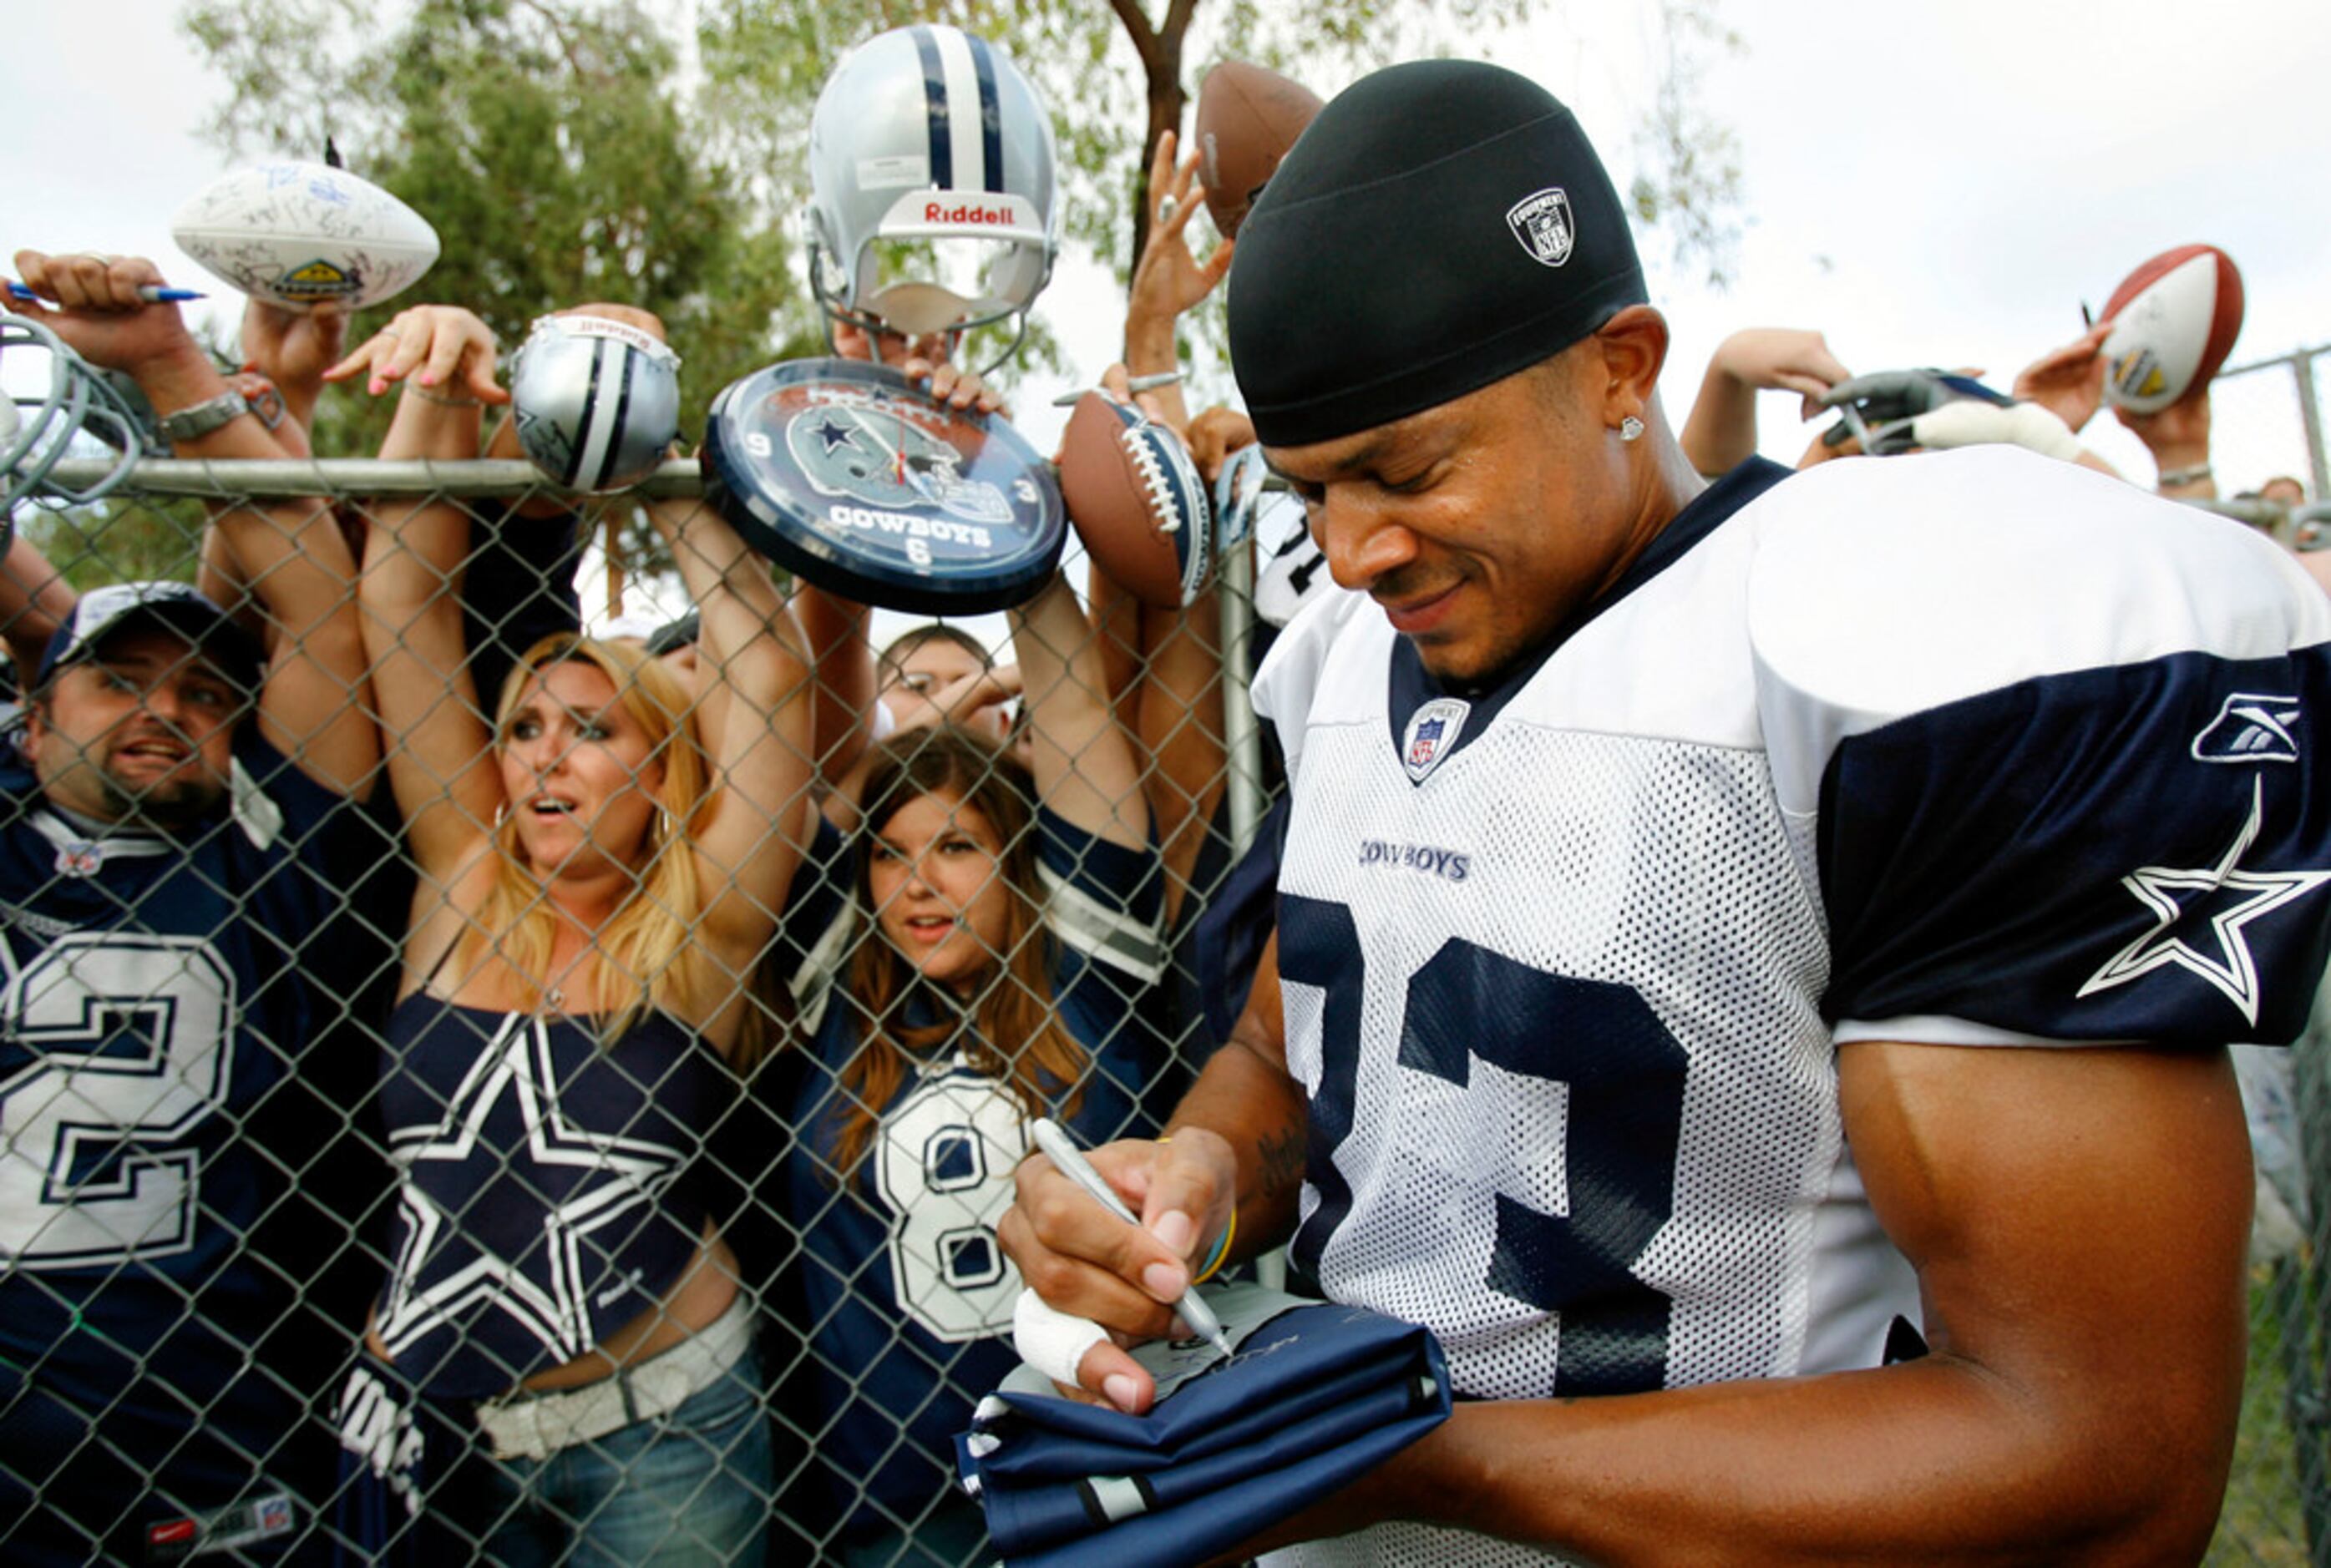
point(625, 377)
point(571, 478)
point(935, 109)
point(991, 112)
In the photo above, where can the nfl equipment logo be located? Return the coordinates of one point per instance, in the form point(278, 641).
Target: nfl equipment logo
point(1431, 734)
point(80, 860)
point(1542, 223)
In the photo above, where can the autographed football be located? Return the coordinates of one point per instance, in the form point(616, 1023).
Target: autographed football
point(2174, 320)
point(1248, 118)
point(1136, 501)
point(297, 234)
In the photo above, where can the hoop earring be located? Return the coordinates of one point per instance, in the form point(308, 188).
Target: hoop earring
point(1631, 428)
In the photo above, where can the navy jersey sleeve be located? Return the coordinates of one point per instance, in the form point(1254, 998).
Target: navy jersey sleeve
point(1103, 900)
point(812, 941)
point(2051, 747)
point(2129, 853)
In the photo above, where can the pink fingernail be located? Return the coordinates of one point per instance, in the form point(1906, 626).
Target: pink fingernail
point(1174, 1230)
point(428, 379)
point(1121, 1389)
point(378, 386)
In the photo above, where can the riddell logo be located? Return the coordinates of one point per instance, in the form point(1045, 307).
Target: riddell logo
point(965, 212)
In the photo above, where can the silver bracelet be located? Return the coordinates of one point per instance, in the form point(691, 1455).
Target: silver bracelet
point(199, 419)
point(2173, 479)
point(440, 399)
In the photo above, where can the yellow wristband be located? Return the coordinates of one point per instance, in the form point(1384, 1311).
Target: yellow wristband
point(1221, 1251)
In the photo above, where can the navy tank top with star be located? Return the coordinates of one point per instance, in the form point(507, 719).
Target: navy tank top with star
point(545, 1195)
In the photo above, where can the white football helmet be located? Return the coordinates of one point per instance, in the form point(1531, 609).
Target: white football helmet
point(597, 401)
point(930, 161)
point(54, 402)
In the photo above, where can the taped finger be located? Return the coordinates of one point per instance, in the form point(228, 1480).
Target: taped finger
point(1052, 1341)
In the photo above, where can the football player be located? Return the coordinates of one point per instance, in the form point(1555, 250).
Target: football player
point(165, 873)
point(1753, 958)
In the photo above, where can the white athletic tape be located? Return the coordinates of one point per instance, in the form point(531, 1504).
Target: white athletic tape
point(1968, 422)
point(1052, 1341)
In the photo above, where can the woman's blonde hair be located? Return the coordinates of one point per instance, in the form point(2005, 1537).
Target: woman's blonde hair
point(644, 958)
point(1010, 1028)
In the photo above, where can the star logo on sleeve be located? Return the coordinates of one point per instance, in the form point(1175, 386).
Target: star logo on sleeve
point(2200, 916)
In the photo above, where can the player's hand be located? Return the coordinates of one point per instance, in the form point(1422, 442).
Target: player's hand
point(956, 388)
point(1082, 1260)
point(436, 346)
point(1782, 359)
point(97, 310)
point(1168, 280)
point(2069, 382)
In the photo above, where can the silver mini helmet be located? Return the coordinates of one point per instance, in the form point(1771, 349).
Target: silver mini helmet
point(931, 189)
point(597, 401)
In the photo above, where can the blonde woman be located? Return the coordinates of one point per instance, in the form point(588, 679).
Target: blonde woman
point(600, 858)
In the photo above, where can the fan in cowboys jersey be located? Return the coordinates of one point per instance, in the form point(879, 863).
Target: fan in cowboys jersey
point(163, 879)
point(1752, 959)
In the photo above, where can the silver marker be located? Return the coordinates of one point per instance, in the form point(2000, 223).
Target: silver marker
point(1138, 383)
point(1056, 1142)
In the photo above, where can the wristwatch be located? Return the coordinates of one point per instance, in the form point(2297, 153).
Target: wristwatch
point(200, 419)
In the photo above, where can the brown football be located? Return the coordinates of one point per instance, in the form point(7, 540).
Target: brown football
point(1248, 117)
point(1137, 502)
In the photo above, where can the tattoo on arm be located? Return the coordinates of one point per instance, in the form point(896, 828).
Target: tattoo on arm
point(1281, 1156)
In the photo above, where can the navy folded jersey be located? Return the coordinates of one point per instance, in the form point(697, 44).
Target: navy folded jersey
point(157, 997)
point(907, 1290)
point(1972, 748)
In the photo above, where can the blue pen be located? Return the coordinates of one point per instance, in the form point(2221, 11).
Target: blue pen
point(152, 293)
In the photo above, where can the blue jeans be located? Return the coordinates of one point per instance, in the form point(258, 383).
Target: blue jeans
point(689, 1488)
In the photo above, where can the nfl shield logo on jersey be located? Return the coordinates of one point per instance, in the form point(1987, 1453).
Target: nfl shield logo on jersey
point(1542, 223)
point(1432, 731)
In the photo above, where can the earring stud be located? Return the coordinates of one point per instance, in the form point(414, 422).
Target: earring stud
point(1629, 428)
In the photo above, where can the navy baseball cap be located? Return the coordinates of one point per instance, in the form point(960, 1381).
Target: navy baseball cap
point(177, 606)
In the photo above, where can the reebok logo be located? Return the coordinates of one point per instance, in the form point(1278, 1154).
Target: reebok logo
point(2250, 727)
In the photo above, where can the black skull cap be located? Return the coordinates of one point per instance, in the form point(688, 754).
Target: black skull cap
point(1439, 226)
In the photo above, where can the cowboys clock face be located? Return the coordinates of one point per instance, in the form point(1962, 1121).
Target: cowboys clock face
point(845, 472)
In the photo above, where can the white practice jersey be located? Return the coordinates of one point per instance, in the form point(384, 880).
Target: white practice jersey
point(1972, 748)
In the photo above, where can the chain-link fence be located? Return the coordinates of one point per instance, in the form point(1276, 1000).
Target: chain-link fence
point(275, 1085)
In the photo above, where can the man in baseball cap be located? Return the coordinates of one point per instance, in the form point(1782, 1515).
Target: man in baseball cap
point(133, 714)
point(1756, 955)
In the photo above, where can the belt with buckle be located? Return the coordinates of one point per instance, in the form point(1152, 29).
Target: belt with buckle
point(528, 1425)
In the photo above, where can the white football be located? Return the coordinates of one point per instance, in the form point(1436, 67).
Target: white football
point(2174, 322)
point(297, 234)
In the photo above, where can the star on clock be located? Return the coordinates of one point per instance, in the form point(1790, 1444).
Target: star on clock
point(2239, 896)
point(833, 434)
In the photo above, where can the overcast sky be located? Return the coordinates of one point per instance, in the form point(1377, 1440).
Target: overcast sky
point(1941, 183)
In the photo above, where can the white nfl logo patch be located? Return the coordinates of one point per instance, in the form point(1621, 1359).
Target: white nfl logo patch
point(1433, 732)
point(1542, 223)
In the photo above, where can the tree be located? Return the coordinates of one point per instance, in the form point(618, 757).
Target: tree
point(550, 148)
point(769, 56)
